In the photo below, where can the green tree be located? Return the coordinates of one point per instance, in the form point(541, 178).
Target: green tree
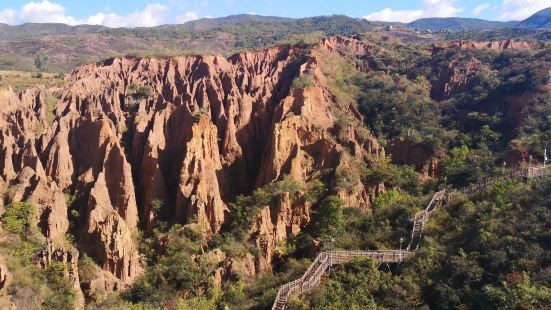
point(41, 61)
point(456, 165)
point(62, 295)
point(162, 214)
point(329, 218)
point(518, 292)
point(175, 274)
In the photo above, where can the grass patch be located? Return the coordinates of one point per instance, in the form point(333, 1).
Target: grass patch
point(22, 80)
point(50, 107)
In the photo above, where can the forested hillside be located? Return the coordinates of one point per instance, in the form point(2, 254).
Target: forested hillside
point(70, 46)
point(489, 252)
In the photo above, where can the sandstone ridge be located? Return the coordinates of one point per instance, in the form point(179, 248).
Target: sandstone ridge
point(191, 131)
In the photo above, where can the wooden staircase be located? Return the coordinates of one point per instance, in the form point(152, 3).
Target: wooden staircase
point(422, 217)
point(324, 260)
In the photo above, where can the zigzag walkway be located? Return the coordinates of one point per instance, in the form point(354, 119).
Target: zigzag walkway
point(312, 276)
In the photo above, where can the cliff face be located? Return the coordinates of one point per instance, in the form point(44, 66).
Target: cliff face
point(454, 75)
point(501, 45)
point(210, 128)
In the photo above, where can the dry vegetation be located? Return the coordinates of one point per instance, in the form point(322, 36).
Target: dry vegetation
point(21, 80)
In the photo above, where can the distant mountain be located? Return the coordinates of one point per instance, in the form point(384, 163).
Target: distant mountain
point(330, 25)
point(540, 20)
point(211, 23)
point(459, 24)
point(245, 24)
point(69, 46)
point(31, 31)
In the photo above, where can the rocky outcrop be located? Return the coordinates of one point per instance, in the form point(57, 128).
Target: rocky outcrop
point(453, 78)
point(229, 268)
point(501, 45)
point(190, 132)
point(5, 279)
point(276, 223)
point(425, 161)
point(69, 258)
point(108, 237)
point(51, 213)
point(199, 189)
point(346, 46)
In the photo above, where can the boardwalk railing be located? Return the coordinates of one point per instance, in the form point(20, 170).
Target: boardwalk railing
point(422, 217)
point(313, 275)
point(521, 173)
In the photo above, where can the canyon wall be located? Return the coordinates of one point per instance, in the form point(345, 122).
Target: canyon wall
point(194, 132)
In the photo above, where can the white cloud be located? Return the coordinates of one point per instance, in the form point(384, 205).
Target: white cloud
point(477, 10)
point(152, 15)
point(520, 9)
point(44, 12)
point(187, 17)
point(7, 16)
point(390, 15)
point(431, 8)
point(50, 12)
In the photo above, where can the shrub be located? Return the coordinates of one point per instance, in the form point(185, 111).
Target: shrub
point(303, 81)
point(519, 294)
point(228, 244)
point(347, 178)
point(175, 274)
point(162, 213)
point(87, 268)
point(27, 250)
point(342, 78)
point(140, 92)
point(17, 217)
point(244, 210)
point(50, 106)
point(234, 293)
point(314, 190)
point(62, 295)
point(33, 288)
point(360, 285)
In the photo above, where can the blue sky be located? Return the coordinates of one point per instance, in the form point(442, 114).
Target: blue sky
point(154, 12)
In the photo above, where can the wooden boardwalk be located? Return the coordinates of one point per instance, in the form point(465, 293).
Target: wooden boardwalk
point(521, 173)
point(421, 218)
point(325, 260)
